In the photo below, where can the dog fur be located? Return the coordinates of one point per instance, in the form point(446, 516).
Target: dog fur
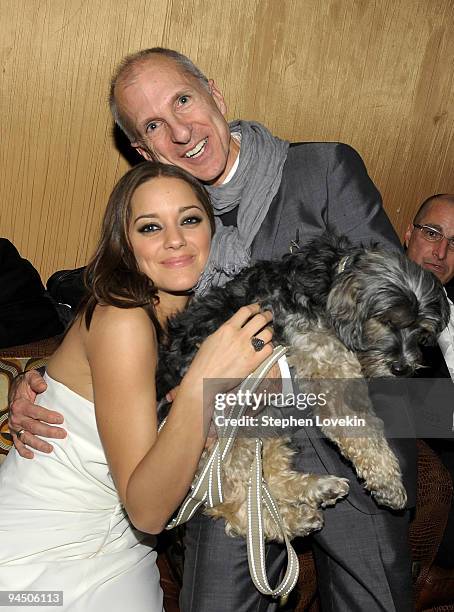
point(344, 312)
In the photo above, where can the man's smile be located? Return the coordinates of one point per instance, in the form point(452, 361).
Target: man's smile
point(197, 150)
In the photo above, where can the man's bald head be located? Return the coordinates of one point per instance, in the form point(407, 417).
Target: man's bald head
point(447, 197)
point(131, 65)
point(171, 113)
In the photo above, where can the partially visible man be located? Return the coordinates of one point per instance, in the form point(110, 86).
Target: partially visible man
point(430, 238)
point(268, 196)
point(430, 243)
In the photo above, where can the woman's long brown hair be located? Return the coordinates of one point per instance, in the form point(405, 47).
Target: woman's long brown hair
point(113, 277)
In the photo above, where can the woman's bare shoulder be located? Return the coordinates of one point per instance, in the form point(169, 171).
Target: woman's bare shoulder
point(111, 318)
point(121, 329)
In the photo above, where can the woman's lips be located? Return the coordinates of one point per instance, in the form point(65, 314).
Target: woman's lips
point(178, 262)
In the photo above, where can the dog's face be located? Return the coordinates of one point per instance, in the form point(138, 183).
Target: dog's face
point(384, 307)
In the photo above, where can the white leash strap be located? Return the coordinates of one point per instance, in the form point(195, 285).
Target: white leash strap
point(207, 490)
point(259, 495)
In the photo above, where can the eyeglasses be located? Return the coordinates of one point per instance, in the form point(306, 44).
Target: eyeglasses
point(433, 235)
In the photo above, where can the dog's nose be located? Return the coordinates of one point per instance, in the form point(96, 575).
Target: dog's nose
point(400, 369)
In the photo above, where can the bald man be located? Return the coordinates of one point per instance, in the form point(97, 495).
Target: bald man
point(430, 243)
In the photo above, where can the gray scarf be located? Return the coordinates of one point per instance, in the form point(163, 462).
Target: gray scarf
point(252, 189)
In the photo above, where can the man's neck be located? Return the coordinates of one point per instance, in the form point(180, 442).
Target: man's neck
point(234, 151)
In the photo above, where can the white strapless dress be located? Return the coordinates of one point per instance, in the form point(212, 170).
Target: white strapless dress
point(63, 528)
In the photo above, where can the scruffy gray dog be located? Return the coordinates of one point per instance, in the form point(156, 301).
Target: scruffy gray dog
point(344, 312)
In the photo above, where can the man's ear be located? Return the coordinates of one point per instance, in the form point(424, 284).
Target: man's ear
point(141, 151)
point(407, 234)
point(217, 97)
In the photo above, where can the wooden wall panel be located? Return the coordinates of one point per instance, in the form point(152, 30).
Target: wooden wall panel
point(376, 74)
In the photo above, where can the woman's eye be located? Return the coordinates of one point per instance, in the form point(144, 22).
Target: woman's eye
point(194, 220)
point(149, 228)
point(183, 99)
point(151, 126)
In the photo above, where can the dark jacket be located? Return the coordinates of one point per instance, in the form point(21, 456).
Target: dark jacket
point(26, 313)
point(325, 186)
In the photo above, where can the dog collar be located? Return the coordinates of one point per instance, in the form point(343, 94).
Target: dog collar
point(342, 264)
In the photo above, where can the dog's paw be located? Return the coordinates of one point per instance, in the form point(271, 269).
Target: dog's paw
point(299, 520)
point(309, 520)
point(325, 490)
point(336, 489)
point(383, 478)
point(394, 497)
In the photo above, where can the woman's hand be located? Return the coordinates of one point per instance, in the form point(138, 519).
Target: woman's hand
point(33, 419)
point(228, 354)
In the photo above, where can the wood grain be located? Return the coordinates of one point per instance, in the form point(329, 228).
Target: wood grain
point(376, 74)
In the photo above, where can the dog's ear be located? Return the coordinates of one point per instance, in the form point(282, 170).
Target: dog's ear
point(344, 310)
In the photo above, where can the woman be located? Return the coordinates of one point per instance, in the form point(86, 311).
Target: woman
point(63, 522)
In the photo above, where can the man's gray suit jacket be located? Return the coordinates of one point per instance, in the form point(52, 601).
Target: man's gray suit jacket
point(362, 552)
point(325, 187)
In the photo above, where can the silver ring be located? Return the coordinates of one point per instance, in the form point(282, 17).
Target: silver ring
point(19, 433)
point(257, 343)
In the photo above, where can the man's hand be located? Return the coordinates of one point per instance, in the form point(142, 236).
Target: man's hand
point(25, 415)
